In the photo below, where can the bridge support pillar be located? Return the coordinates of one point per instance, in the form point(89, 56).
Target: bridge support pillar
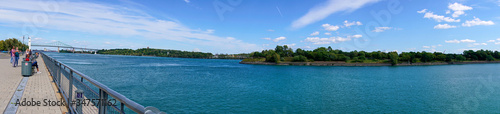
point(57, 49)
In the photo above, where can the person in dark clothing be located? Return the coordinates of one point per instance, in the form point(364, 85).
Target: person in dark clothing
point(35, 63)
point(16, 58)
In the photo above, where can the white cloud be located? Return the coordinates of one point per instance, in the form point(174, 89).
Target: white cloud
point(460, 41)
point(348, 24)
point(266, 38)
point(210, 31)
point(439, 18)
point(357, 36)
point(467, 41)
point(448, 11)
point(320, 41)
point(315, 33)
point(196, 50)
point(476, 22)
point(452, 41)
point(187, 1)
point(479, 44)
point(426, 46)
point(329, 27)
point(381, 29)
point(327, 33)
point(422, 11)
point(496, 43)
point(107, 42)
point(476, 44)
point(491, 40)
point(270, 30)
point(444, 26)
point(323, 10)
point(290, 45)
point(458, 9)
point(106, 19)
point(317, 40)
point(279, 39)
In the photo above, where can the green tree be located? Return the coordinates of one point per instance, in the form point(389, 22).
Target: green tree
point(280, 50)
point(441, 57)
point(393, 56)
point(460, 58)
point(427, 57)
point(405, 57)
point(2, 45)
point(489, 58)
point(299, 58)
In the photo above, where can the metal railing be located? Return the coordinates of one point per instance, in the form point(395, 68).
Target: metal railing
point(68, 80)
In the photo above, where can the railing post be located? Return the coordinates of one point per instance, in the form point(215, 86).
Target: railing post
point(70, 92)
point(79, 98)
point(122, 108)
point(103, 98)
point(59, 74)
point(54, 71)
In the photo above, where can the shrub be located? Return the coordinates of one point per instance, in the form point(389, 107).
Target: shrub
point(299, 58)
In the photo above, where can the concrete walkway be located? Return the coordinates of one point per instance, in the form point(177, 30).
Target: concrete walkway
point(39, 87)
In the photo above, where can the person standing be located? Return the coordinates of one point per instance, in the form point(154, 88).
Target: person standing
point(16, 59)
point(12, 56)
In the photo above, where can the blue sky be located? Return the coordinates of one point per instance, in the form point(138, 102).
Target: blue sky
point(242, 26)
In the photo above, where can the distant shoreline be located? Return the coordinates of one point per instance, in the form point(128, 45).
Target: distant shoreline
point(337, 63)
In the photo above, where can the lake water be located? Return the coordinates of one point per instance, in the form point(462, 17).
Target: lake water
point(178, 85)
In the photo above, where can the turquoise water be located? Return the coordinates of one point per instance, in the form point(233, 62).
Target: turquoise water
point(177, 85)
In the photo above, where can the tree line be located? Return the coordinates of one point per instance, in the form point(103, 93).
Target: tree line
point(6, 45)
point(156, 52)
point(287, 54)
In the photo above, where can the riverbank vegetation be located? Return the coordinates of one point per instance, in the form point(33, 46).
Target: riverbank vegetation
point(170, 53)
point(286, 54)
point(156, 52)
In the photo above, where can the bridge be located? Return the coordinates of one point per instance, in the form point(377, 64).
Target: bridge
point(60, 45)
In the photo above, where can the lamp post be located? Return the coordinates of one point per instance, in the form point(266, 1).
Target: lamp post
point(23, 42)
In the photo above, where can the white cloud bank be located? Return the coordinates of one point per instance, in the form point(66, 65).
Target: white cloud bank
point(460, 41)
point(279, 39)
point(315, 33)
point(109, 19)
point(320, 41)
point(458, 9)
point(348, 24)
point(323, 10)
point(329, 27)
point(381, 29)
point(438, 18)
point(477, 22)
point(444, 26)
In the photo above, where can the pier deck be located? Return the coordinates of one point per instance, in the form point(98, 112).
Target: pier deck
point(38, 87)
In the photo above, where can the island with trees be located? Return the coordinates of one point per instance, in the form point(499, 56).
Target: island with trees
point(322, 56)
point(170, 53)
